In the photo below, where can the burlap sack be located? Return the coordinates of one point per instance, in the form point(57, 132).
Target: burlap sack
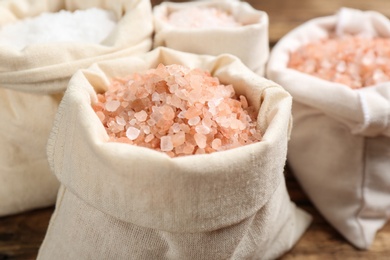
point(120, 201)
point(340, 145)
point(32, 82)
point(248, 42)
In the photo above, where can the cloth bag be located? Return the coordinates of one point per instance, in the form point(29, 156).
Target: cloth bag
point(32, 82)
point(248, 42)
point(340, 143)
point(119, 201)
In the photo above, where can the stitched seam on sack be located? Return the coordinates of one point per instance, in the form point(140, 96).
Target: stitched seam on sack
point(52, 140)
point(362, 187)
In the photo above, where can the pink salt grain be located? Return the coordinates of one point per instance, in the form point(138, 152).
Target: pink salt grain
point(166, 144)
point(216, 143)
point(112, 105)
point(141, 116)
point(176, 110)
point(350, 60)
point(200, 140)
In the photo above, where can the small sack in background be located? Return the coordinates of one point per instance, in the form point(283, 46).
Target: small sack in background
point(214, 27)
point(34, 76)
point(340, 143)
point(121, 201)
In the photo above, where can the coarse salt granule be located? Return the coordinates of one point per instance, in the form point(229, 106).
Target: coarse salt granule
point(351, 60)
point(86, 26)
point(176, 110)
point(205, 17)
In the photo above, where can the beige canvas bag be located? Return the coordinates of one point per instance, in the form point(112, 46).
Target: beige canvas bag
point(248, 42)
point(120, 201)
point(32, 82)
point(340, 143)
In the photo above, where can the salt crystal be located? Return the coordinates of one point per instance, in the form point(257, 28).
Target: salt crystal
point(101, 115)
point(216, 143)
point(151, 122)
point(188, 149)
point(112, 105)
point(200, 151)
point(168, 112)
point(155, 97)
point(178, 139)
point(146, 129)
point(185, 128)
point(149, 138)
point(132, 133)
point(166, 143)
point(200, 140)
point(85, 26)
point(182, 114)
point(201, 129)
point(177, 124)
point(194, 121)
point(207, 122)
point(206, 17)
point(176, 127)
point(120, 121)
point(141, 116)
point(350, 60)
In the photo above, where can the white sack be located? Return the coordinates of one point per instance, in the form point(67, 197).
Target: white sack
point(120, 201)
point(32, 82)
point(248, 42)
point(340, 143)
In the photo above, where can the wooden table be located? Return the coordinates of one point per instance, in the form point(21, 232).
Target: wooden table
point(21, 235)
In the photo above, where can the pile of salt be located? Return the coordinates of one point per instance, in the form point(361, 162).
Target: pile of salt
point(206, 17)
point(86, 26)
point(351, 60)
point(176, 110)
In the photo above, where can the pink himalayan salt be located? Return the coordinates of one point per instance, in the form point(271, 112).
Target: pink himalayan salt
point(351, 60)
point(205, 17)
point(176, 110)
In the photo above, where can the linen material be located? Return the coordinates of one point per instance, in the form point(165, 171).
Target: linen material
point(25, 179)
point(46, 68)
point(32, 82)
point(248, 42)
point(225, 205)
point(334, 149)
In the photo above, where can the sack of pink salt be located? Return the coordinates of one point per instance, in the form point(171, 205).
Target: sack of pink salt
point(125, 146)
point(213, 28)
point(42, 43)
point(337, 70)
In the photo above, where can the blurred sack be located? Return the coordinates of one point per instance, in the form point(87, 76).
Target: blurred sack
point(32, 82)
point(340, 143)
point(248, 42)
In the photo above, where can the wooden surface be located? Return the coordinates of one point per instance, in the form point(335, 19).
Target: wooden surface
point(21, 235)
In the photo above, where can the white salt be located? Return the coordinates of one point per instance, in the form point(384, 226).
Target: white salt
point(132, 133)
point(207, 17)
point(85, 26)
